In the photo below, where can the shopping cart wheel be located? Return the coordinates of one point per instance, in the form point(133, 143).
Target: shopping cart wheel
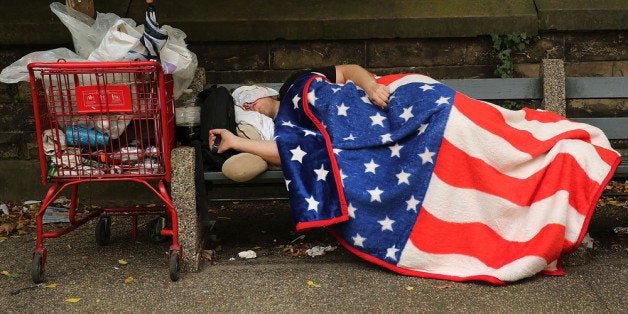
point(37, 268)
point(174, 265)
point(103, 231)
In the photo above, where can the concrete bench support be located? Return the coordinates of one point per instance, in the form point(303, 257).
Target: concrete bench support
point(553, 77)
point(183, 192)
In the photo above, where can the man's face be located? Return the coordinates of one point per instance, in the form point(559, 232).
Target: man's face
point(263, 105)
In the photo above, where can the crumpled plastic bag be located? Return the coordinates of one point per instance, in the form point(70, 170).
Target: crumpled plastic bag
point(121, 42)
point(114, 125)
point(177, 59)
point(53, 141)
point(319, 250)
point(71, 158)
point(87, 33)
point(247, 254)
point(17, 70)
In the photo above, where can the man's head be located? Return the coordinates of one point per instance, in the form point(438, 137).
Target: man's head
point(257, 98)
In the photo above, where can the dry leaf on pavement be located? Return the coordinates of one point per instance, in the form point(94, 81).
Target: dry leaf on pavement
point(312, 284)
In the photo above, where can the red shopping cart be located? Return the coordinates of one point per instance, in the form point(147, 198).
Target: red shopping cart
point(103, 122)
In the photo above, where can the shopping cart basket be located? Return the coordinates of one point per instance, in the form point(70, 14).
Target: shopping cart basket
point(103, 122)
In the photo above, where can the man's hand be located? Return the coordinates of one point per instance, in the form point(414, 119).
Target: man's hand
point(227, 139)
point(378, 93)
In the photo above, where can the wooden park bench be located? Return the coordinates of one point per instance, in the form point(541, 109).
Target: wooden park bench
point(552, 89)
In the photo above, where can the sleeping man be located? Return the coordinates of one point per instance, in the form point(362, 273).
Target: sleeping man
point(414, 176)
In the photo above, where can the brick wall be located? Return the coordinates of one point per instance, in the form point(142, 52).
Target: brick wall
point(585, 54)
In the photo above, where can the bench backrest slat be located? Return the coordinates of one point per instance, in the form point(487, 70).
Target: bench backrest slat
point(614, 128)
point(526, 88)
point(486, 89)
point(596, 87)
point(498, 89)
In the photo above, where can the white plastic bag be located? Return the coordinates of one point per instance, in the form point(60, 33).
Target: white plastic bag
point(87, 33)
point(178, 60)
point(17, 71)
point(53, 140)
point(121, 42)
point(114, 125)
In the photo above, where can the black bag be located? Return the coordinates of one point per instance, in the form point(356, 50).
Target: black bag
point(217, 112)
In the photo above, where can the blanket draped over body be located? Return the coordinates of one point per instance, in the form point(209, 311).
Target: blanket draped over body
point(440, 185)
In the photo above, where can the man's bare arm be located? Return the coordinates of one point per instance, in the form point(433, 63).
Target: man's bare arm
point(266, 149)
point(378, 93)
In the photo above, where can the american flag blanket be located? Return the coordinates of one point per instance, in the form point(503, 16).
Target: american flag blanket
point(440, 185)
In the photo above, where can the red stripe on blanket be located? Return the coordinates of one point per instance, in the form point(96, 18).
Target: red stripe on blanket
point(334, 164)
point(436, 236)
point(492, 120)
point(386, 80)
point(542, 116)
point(563, 173)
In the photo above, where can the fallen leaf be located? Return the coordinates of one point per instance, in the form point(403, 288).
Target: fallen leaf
point(312, 284)
point(72, 300)
point(409, 288)
point(443, 287)
point(208, 255)
point(21, 224)
point(130, 279)
point(6, 273)
point(122, 262)
point(52, 285)
point(7, 228)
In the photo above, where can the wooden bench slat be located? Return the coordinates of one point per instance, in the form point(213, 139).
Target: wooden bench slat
point(487, 89)
point(267, 176)
point(614, 128)
point(498, 89)
point(622, 169)
point(596, 87)
point(526, 88)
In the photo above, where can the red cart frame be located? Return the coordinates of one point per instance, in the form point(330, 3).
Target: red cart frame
point(103, 122)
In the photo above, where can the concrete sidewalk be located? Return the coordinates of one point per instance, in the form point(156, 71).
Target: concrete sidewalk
point(276, 281)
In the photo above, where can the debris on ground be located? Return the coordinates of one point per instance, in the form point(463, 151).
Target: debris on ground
point(587, 241)
point(208, 255)
point(4, 209)
point(55, 214)
point(247, 254)
point(319, 250)
point(621, 230)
